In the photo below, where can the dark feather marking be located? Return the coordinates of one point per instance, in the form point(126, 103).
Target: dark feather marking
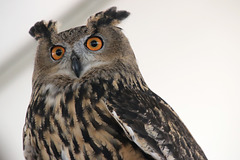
point(185, 147)
point(110, 15)
point(47, 147)
point(37, 145)
point(32, 131)
point(71, 122)
point(118, 156)
point(40, 134)
point(39, 106)
point(40, 30)
point(51, 110)
point(152, 143)
point(79, 109)
point(46, 123)
point(38, 88)
point(122, 15)
point(98, 88)
point(65, 113)
point(49, 24)
point(89, 140)
point(95, 124)
point(130, 103)
point(107, 154)
point(166, 128)
point(139, 86)
point(76, 146)
point(88, 109)
point(69, 95)
point(78, 106)
point(120, 86)
point(138, 127)
point(55, 151)
point(109, 82)
point(61, 133)
point(37, 149)
point(85, 154)
point(132, 115)
point(113, 127)
point(79, 112)
point(71, 154)
point(85, 135)
point(32, 120)
point(117, 147)
point(103, 21)
point(82, 91)
point(188, 153)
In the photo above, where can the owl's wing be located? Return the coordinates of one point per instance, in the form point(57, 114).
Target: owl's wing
point(152, 124)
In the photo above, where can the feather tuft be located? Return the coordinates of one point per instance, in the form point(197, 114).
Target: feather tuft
point(108, 17)
point(43, 29)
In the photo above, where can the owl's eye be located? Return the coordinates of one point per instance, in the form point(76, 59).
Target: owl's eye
point(57, 52)
point(94, 43)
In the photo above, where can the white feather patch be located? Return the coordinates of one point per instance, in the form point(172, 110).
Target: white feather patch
point(131, 135)
point(64, 155)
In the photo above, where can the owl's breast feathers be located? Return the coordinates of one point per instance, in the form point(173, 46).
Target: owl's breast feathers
point(73, 122)
point(116, 117)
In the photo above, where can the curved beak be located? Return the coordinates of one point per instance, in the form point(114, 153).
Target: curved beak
point(76, 65)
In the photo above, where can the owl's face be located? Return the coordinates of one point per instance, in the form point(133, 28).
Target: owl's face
point(74, 52)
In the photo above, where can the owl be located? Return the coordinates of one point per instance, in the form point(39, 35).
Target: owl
point(89, 100)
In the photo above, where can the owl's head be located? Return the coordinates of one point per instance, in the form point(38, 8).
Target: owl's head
point(77, 51)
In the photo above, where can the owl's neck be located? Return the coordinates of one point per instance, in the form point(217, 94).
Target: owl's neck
point(101, 78)
point(97, 85)
point(112, 74)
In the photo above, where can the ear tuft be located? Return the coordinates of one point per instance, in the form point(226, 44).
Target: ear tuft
point(43, 29)
point(108, 17)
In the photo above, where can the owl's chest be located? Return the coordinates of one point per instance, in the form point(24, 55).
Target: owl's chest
point(90, 131)
point(74, 127)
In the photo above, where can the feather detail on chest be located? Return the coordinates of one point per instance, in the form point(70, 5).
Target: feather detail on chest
point(74, 121)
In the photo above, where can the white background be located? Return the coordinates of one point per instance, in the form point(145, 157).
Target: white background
point(188, 52)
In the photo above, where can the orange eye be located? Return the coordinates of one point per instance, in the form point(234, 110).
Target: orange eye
point(94, 43)
point(57, 52)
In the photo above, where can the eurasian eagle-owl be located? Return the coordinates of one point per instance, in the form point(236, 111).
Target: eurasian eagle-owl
point(90, 101)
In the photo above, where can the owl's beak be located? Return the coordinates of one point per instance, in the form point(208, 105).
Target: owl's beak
point(76, 65)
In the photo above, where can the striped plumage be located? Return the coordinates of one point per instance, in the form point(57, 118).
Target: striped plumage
point(97, 106)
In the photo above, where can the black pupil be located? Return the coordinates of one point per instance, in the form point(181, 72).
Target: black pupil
point(58, 52)
point(94, 43)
